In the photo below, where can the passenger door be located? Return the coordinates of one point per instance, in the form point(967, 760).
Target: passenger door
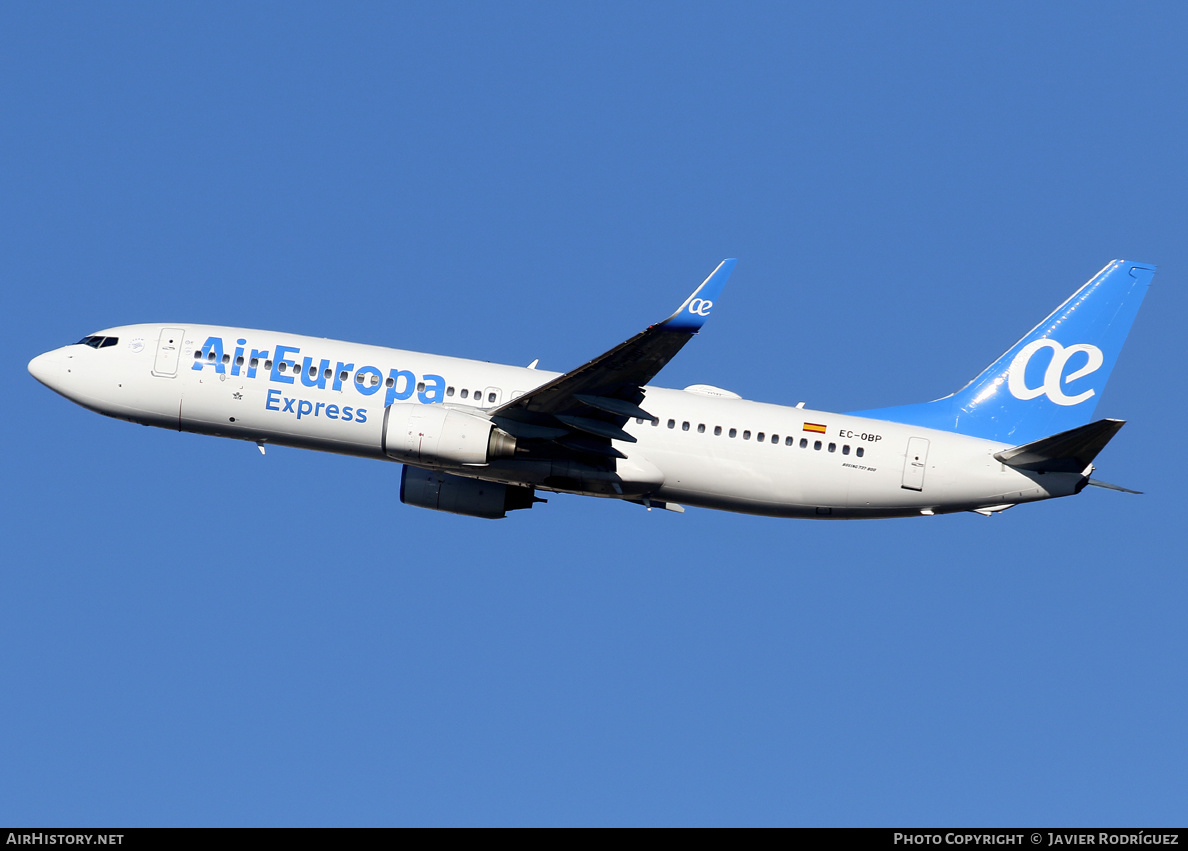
point(914, 463)
point(168, 352)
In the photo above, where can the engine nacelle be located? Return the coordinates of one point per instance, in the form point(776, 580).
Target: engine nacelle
point(432, 435)
point(459, 495)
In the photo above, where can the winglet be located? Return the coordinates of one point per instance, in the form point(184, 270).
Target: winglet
point(692, 314)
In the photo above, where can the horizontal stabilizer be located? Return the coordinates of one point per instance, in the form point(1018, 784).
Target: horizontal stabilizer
point(1069, 451)
point(1098, 483)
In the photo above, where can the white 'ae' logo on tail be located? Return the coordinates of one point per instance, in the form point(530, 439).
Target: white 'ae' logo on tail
point(701, 306)
point(1054, 374)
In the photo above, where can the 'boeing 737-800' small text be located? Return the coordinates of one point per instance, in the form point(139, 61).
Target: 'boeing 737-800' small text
point(482, 439)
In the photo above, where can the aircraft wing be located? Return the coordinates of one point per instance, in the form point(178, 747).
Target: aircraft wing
point(585, 408)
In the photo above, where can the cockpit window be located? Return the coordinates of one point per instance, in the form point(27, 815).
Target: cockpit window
point(98, 342)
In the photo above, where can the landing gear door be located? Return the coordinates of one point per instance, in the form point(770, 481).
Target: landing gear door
point(914, 463)
point(168, 352)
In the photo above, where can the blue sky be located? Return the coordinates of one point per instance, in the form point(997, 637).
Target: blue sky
point(195, 635)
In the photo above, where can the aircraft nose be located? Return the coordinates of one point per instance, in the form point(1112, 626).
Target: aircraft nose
point(45, 367)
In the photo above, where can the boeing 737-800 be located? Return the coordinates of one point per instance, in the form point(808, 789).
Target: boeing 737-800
point(481, 439)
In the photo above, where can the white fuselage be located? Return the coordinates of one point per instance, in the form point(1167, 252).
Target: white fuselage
point(704, 448)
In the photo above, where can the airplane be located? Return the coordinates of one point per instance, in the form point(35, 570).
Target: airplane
point(482, 439)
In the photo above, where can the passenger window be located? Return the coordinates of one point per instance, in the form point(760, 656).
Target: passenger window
point(197, 352)
point(239, 361)
point(420, 386)
point(788, 441)
point(490, 396)
point(860, 452)
point(464, 394)
point(655, 422)
point(672, 423)
point(226, 358)
point(685, 425)
point(268, 366)
point(846, 449)
point(255, 363)
point(283, 366)
point(313, 372)
point(746, 434)
point(760, 437)
point(328, 373)
point(733, 432)
point(449, 391)
point(833, 447)
point(804, 443)
point(342, 376)
point(390, 382)
point(775, 438)
point(701, 428)
point(639, 420)
point(816, 444)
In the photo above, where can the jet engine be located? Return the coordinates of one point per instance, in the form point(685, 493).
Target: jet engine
point(459, 495)
point(436, 436)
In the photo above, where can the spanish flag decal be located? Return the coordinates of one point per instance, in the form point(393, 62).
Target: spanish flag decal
point(816, 428)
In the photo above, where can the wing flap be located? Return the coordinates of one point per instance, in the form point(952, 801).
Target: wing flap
point(614, 406)
point(598, 428)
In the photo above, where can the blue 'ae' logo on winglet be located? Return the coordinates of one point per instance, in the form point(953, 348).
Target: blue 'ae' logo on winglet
point(692, 314)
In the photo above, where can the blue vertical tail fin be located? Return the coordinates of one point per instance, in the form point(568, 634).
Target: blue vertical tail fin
point(1051, 380)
